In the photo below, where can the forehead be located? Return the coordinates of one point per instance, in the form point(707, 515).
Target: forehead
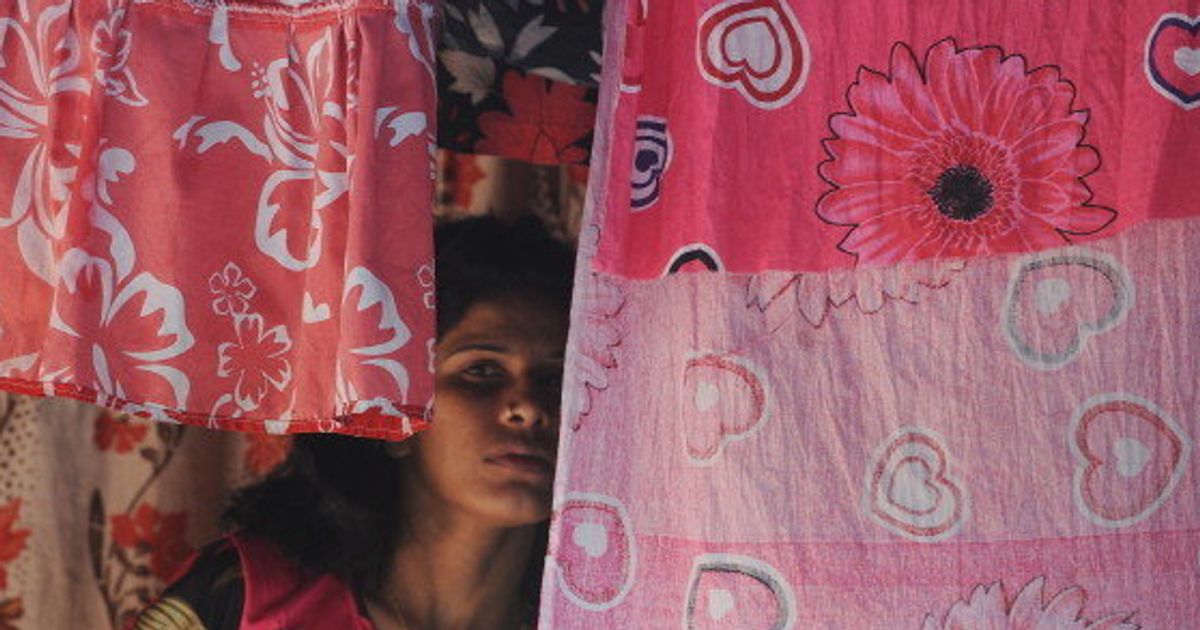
point(511, 323)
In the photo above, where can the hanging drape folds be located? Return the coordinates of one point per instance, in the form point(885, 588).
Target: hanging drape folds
point(102, 510)
point(937, 366)
point(217, 211)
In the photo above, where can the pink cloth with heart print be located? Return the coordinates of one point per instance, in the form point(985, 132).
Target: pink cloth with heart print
point(947, 375)
point(766, 134)
point(218, 211)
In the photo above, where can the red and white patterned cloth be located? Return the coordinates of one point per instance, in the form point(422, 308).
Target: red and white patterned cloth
point(218, 211)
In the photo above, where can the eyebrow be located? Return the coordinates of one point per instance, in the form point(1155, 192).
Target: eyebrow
point(490, 346)
point(485, 346)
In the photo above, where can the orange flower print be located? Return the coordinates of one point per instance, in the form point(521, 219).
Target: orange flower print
point(970, 153)
point(265, 452)
point(547, 119)
point(117, 433)
point(159, 534)
point(12, 540)
point(11, 610)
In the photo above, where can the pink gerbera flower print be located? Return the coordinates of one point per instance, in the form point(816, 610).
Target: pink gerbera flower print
point(988, 609)
point(970, 153)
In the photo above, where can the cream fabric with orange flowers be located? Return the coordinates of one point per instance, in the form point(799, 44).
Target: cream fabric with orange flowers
point(100, 509)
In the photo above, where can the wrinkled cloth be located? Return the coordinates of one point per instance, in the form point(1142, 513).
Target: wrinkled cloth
point(218, 213)
point(936, 366)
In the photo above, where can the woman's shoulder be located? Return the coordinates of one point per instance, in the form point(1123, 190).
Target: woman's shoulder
point(209, 595)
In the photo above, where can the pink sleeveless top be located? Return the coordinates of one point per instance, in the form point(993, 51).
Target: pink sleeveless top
point(279, 595)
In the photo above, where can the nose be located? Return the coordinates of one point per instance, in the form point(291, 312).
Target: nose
point(533, 402)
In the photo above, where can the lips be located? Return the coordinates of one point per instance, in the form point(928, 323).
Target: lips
point(524, 459)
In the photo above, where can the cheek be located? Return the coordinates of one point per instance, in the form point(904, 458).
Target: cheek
point(464, 410)
point(457, 439)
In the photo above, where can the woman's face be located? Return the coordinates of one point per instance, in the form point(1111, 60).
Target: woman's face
point(491, 450)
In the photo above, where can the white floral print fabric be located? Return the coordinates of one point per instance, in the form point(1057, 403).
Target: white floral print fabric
point(217, 213)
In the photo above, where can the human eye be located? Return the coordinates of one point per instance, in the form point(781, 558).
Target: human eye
point(482, 371)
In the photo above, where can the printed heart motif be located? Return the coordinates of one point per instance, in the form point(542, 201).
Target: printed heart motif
point(1172, 63)
point(913, 488)
point(651, 157)
point(591, 537)
point(1056, 302)
point(1051, 294)
point(592, 550)
point(725, 399)
point(731, 591)
point(756, 47)
point(1188, 60)
point(694, 258)
point(1129, 456)
point(910, 491)
point(720, 602)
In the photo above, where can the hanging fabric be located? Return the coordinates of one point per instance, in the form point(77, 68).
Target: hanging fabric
point(216, 212)
point(101, 510)
point(518, 79)
point(936, 364)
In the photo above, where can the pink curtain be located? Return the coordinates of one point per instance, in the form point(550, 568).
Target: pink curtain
point(938, 365)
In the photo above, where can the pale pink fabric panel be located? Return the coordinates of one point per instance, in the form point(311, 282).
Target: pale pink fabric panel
point(772, 134)
point(873, 446)
point(219, 212)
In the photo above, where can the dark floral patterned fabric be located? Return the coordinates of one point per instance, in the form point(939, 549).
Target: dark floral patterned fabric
point(518, 78)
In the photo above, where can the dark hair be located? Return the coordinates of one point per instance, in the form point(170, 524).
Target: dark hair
point(484, 258)
point(333, 506)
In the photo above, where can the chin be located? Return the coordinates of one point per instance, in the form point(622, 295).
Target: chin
point(518, 508)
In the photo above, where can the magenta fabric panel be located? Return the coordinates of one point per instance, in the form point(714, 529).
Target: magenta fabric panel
point(767, 134)
point(834, 431)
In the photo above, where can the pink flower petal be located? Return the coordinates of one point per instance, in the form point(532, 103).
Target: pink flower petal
point(1066, 606)
point(933, 246)
point(862, 202)
point(1026, 609)
point(885, 239)
point(862, 163)
point(1044, 198)
point(1029, 234)
point(1008, 82)
point(872, 96)
point(953, 85)
point(912, 93)
point(1044, 151)
point(870, 130)
point(1088, 219)
point(1027, 112)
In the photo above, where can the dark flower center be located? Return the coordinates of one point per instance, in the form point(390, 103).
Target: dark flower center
point(962, 193)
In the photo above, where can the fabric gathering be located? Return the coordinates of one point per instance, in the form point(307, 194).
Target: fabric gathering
point(741, 314)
